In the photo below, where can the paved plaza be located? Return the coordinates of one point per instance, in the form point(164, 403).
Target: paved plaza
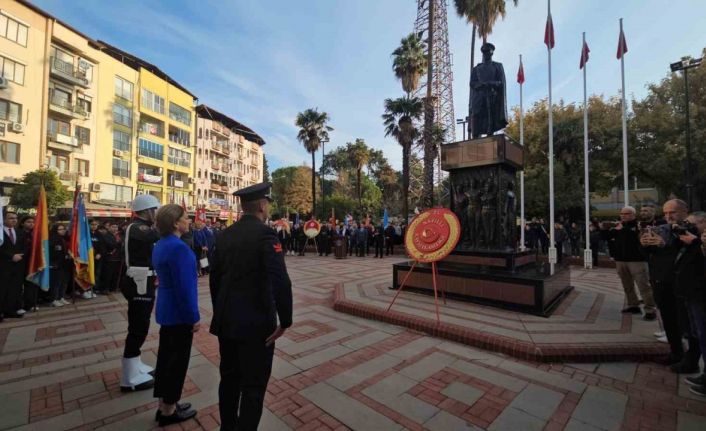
point(59, 368)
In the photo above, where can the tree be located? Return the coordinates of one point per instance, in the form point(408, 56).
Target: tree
point(26, 194)
point(265, 169)
point(312, 130)
point(482, 14)
point(410, 62)
point(290, 189)
point(398, 120)
point(435, 138)
point(359, 154)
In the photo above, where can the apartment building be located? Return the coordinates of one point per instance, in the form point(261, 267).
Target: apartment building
point(229, 157)
point(47, 96)
point(151, 127)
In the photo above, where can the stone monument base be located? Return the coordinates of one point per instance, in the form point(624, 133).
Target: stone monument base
point(510, 280)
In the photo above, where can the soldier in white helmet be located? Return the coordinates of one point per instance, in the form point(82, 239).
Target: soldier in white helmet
point(138, 287)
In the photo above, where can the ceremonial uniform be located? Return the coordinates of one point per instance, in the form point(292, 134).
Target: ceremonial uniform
point(138, 287)
point(250, 290)
point(379, 240)
point(324, 240)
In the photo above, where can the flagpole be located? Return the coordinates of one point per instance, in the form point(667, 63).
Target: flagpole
point(552, 245)
point(587, 255)
point(625, 123)
point(522, 173)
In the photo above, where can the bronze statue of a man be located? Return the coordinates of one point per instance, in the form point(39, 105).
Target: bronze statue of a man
point(488, 105)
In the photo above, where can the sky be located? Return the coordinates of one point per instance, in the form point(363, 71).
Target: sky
point(263, 61)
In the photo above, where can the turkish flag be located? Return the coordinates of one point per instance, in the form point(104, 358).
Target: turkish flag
point(622, 45)
point(584, 55)
point(521, 74)
point(549, 32)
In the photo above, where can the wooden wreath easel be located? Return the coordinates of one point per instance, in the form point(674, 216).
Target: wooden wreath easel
point(434, 274)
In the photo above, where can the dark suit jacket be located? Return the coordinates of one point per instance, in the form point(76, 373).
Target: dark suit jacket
point(8, 249)
point(249, 283)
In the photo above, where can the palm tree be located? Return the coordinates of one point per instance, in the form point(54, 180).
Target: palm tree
point(398, 120)
point(359, 154)
point(482, 14)
point(410, 61)
point(312, 130)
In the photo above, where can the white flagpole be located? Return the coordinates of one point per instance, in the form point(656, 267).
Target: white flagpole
point(625, 123)
point(552, 245)
point(587, 255)
point(522, 172)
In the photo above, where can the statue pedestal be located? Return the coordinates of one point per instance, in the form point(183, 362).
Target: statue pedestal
point(486, 266)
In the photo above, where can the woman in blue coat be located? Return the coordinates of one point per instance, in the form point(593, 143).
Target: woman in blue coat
point(177, 312)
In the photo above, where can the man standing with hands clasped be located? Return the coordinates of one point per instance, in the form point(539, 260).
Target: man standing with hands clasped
point(250, 290)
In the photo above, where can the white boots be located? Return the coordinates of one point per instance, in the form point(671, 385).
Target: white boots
point(133, 379)
point(144, 368)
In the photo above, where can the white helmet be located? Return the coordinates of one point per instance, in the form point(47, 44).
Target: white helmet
point(144, 202)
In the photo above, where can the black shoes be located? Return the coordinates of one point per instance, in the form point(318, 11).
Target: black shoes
point(632, 310)
point(699, 380)
point(649, 316)
point(685, 366)
point(698, 390)
point(179, 406)
point(176, 417)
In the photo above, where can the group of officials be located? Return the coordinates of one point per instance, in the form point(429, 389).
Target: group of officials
point(355, 238)
point(251, 294)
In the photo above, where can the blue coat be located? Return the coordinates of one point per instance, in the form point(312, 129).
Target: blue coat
point(177, 294)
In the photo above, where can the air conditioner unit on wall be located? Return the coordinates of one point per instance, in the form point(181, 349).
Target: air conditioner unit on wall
point(117, 153)
point(95, 187)
point(17, 127)
point(192, 181)
point(3, 83)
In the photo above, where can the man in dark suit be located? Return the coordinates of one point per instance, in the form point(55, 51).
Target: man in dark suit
point(13, 265)
point(250, 290)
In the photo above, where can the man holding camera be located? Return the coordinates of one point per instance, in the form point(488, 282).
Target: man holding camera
point(669, 254)
point(630, 262)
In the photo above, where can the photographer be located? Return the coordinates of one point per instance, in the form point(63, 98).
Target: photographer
point(690, 287)
point(663, 246)
point(630, 262)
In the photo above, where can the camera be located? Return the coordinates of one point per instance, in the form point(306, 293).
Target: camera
point(682, 227)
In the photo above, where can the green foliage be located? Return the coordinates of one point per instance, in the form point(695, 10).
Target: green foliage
point(291, 191)
point(410, 61)
point(26, 194)
point(482, 13)
point(313, 129)
point(265, 169)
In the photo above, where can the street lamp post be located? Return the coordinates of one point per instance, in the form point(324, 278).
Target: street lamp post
point(685, 65)
point(463, 121)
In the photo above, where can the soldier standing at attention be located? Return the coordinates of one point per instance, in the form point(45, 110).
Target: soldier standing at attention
point(250, 290)
point(138, 287)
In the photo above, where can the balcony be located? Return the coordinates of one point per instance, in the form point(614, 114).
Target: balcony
point(65, 107)
point(63, 142)
point(225, 169)
point(220, 129)
point(67, 72)
point(224, 188)
point(69, 178)
point(216, 147)
point(254, 176)
point(150, 154)
point(147, 178)
point(215, 165)
point(226, 150)
point(179, 161)
point(215, 186)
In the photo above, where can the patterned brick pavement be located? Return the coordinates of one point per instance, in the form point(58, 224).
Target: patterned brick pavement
point(59, 368)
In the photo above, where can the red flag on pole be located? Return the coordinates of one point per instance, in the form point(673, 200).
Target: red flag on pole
point(549, 32)
point(521, 74)
point(622, 45)
point(584, 55)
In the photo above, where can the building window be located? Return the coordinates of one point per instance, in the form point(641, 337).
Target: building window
point(60, 162)
point(152, 102)
point(177, 113)
point(9, 152)
point(200, 133)
point(122, 115)
point(81, 166)
point(151, 149)
point(60, 97)
point(206, 133)
point(10, 111)
point(179, 136)
point(83, 135)
point(123, 88)
point(85, 103)
point(13, 30)
point(115, 193)
point(11, 70)
point(151, 126)
point(121, 140)
point(178, 157)
point(59, 127)
point(121, 168)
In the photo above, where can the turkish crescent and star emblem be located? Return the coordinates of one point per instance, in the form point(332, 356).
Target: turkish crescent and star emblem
point(312, 228)
point(432, 235)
